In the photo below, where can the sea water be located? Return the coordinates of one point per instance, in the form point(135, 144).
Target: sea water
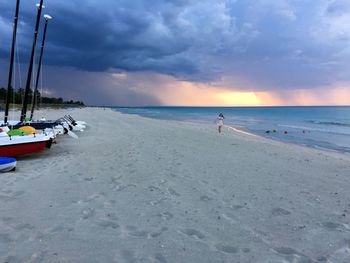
point(322, 127)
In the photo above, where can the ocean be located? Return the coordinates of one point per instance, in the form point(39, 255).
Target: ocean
point(319, 127)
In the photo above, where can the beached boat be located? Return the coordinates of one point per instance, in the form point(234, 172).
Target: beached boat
point(7, 164)
point(74, 122)
point(14, 146)
point(52, 127)
point(44, 124)
point(17, 145)
point(57, 127)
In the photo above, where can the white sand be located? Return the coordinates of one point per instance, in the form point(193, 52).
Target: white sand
point(133, 189)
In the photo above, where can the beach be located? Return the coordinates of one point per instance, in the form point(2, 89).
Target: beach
point(135, 189)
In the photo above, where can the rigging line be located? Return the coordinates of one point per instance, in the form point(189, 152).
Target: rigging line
point(40, 82)
point(41, 85)
point(13, 89)
point(19, 65)
point(33, 78)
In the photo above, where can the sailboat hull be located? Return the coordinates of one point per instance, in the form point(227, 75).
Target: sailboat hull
point(21, 149)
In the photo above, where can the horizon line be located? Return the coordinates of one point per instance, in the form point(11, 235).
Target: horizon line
point(186, 106)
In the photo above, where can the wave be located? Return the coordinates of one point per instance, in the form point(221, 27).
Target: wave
point(334, 123)
point(313, 129)
point(300, 127)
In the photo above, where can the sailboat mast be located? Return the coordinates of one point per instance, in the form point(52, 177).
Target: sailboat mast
point(30, 69)
point(9, 83)
point(47, 18)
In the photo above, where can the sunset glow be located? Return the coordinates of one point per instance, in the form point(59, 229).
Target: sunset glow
point(238, 98)
point(170, 91)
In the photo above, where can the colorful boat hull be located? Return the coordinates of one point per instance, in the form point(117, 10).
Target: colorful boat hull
point(24, 148)
point(7, 164)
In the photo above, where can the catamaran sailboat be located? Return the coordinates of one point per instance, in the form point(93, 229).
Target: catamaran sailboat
point(13, 146)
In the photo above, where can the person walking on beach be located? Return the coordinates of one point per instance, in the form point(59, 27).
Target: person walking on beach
point(220, 121)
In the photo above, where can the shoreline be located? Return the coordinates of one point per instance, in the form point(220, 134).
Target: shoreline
point(241, 131)
point(53, 110)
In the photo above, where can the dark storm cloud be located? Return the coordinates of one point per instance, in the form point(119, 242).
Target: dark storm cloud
point(172, 37)
point(116, 35)
point(102, 35)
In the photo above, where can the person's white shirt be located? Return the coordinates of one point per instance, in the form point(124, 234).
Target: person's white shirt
point(220, 121)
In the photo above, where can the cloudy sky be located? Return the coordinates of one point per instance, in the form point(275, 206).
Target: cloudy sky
point(187, 52)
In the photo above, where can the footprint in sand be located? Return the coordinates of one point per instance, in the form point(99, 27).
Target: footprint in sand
point(166, 215)
point(153, 188)
point(59, 228)
point(87, 213)
point(116, 179)
point(286, 251)
point(132, 171)
point(322, 259)
point(173, 192)
point(159, 258)
point(204, 182)
point(226, 248)
point(157, 234)
point(7, 219)
point(291, 254)
point(10, 196)
point(277, 211)
point(5, 238)
point(246, 250)
point(332, 226)
point(205, 198)
point(120, 188)
point(192, 233)
point(128, 165)
point(230, 217)
point(89, 179)
point(24, 226)
point(215, 191)
point(158, 201)
point(38, 257)
point(237, 207)
point(107, 223)
point(135, 232)
point(10, 259)
point(125, 256)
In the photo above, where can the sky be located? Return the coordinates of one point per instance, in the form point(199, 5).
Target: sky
point(186, 52)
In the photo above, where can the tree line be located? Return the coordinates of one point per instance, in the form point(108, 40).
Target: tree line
point(16, 97)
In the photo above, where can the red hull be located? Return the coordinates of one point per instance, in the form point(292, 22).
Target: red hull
point(16, 150)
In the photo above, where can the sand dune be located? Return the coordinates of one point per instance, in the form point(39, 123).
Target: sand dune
point(133, 189)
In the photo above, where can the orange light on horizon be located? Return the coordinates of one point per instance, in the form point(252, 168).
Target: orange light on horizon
point(236, 98)
point(173, 92)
